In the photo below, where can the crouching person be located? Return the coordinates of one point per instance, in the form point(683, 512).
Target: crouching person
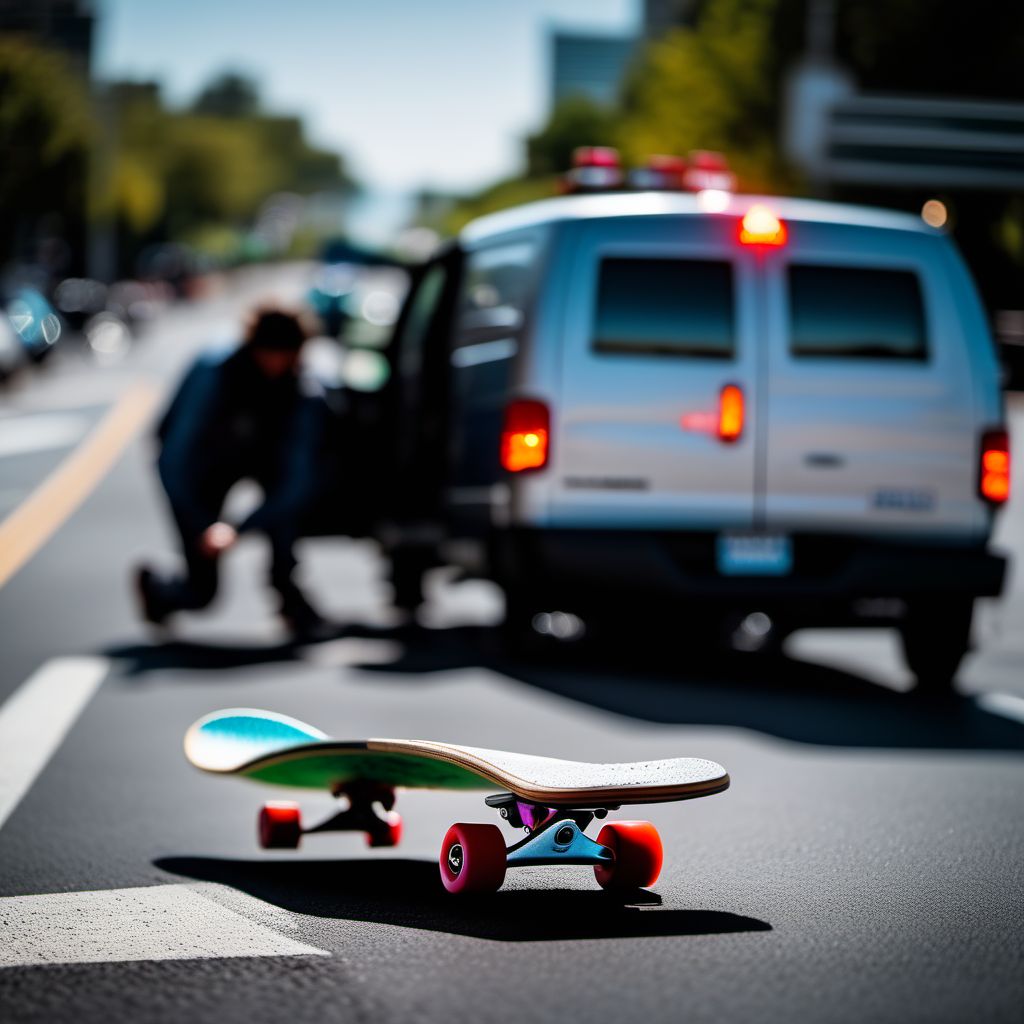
point(243, 414)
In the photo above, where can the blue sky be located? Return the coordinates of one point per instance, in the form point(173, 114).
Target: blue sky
point(414, 93)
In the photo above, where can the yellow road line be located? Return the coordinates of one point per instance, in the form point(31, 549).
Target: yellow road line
point(43, 512)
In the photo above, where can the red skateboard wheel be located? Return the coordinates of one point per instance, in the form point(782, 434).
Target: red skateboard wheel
point(280, 825)
point(388, 835)
point(638, 855)
point(473, 858)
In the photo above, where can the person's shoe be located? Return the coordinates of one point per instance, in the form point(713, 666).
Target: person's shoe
point(149, 605)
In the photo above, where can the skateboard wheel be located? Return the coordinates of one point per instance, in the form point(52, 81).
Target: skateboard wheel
point(388, 835)
point(280, 825)
point(473, 858)
point(638, 855)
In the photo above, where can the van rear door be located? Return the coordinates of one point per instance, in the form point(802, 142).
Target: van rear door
point(657, 355)
point(870, 425)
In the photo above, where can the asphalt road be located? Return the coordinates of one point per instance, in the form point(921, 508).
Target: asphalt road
point(865, 865)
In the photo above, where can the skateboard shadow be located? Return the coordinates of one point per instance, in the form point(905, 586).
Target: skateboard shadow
point(408, 893)
point(690, 683)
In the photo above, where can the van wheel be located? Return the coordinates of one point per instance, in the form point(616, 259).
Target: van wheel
point(936, 635)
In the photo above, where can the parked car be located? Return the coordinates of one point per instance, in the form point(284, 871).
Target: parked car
point(36, 322)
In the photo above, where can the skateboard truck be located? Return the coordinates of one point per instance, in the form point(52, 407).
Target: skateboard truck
point(474, 858)
point(280, 822)
point(554, 835)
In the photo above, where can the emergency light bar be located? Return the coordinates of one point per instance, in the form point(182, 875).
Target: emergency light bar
point(599, 169)
point(594, 169)
point(708, 170)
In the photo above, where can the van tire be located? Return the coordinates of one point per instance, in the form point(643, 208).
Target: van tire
point(936, 635)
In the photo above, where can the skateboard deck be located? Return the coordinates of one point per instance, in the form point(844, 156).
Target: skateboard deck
point(552, 801)
point(272, 748)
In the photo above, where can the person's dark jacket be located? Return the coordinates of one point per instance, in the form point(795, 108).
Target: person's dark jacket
point(229, 422)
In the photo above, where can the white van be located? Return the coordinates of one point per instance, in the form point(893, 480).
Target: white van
point(695, 402)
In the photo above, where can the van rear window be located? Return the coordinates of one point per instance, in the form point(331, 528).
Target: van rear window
point(665, 307)
point(856, 313)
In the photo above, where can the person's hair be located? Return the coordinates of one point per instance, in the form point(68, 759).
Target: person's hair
point(275, 328)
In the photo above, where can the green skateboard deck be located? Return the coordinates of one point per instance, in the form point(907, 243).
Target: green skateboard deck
point(272, 748)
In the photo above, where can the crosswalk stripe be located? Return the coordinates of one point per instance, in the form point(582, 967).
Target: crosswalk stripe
point(37, 716)
point(159, 922)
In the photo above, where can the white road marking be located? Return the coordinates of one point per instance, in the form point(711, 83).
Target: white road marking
point(37, 716)
point(38, 433)
point(160, 922)
point(1008, 705)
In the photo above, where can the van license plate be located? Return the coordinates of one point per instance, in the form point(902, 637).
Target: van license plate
point(754, 554)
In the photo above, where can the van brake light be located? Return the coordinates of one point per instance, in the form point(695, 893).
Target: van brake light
point(730, 413)
point(525, 435)
point(761, 227)
point(994, 475)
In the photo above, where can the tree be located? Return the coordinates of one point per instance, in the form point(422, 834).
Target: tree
point(230, 94)
point(45, 133)
point(576, 121)
point(205, 172)
point(712, 86)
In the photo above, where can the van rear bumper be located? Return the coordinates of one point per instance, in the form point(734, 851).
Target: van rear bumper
point(577, 564)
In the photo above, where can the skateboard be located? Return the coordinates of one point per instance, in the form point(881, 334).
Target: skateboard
point(551, 801)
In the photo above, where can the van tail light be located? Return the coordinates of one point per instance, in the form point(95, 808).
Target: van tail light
point(525, 435)
point(730, 413)
point(994, 475)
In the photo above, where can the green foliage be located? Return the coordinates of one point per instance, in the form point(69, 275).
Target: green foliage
point(203, 173)
point(45, 133)
point(711, 87)
point(576, 121)
point(228, 95)
point(216, 169)
point(157, 173)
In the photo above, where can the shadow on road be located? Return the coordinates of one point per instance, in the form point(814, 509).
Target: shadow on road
point(692, 684)
point(138, 659)
point(687, 682)
point(409, 893)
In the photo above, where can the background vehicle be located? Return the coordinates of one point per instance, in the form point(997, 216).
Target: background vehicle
point(693, 405)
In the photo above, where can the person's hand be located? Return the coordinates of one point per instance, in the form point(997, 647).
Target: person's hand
point(217, 539)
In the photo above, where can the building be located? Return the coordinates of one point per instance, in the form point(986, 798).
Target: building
point(592, 66)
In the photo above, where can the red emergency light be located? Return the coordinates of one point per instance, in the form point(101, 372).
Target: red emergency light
point(594, 169)
point(708, 170)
